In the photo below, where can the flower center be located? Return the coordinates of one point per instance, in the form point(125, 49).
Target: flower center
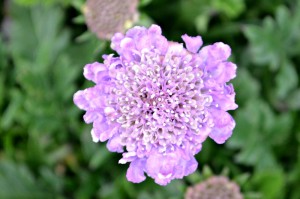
point(159, 101)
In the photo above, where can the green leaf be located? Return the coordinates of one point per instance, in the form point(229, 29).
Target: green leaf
point(144, 20)
point(195, 177)
point(276, 39)
point(100, 157)
point(12, 110)
point(281, 129)
point(247, 123)
point(257, 155)
point(242, 179)
point(293, 100)
point(258, 130)
point(270, 182)
point(265, 44)
point(16, 181)
point(286, 80)
point(201, 22)
point(46, 2)
point(3, 65)
point(79, 19)
point(231, 8)
point(207, 172)
point(246, 86)
point(144, 2)
point(47, 72)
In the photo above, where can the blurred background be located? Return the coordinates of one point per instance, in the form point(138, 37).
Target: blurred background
point(46, 150)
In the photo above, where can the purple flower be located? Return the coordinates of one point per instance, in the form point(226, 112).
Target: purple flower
point(157, 101)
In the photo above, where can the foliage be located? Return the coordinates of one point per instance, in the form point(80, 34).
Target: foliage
point(45, 148)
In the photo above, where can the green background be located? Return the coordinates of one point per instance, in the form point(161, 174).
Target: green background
point(46, 150)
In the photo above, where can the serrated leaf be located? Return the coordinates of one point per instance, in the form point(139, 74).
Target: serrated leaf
point(246, 86)
point(281, 129)
point(286, 80)
point(257, 155)
point(247, 122)
point(275, 39)
point(46, 73)
point(256, 134)
point(265, 43)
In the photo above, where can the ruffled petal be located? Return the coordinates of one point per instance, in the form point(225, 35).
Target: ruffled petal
point(90, 98)
point(213, 54)
point(223, 126)
point(192, 44)
point(223, 72)
point(114, 144)
point(91, 116)
point(155, 29)
point(136, 32)
point(143, 42)
point(99, 128)
point(115, 42)
point(80, 100)
point(158, 41)
point(161, 168)
point(190, 166)
point(135, 172)
point(112, 130)
point(91, 71)
point(166, 167)
point(225, 99)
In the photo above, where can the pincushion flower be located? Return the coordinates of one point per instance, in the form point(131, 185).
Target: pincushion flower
point(105, 17)
point(157, 102)
point(216, 187)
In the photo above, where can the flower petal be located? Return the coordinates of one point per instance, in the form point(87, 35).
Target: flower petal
point(224, 124)
point(190, 166)
point(223, 72)
point(90, 71)
point(135, 172)
point(99, 130)
point(80, 100)
point(166, 167)
point(192, 44)
point(213, 54)
point(114, 144)
point(115, 42)
point(90, 98)
point(224, 99)
point(91, 116)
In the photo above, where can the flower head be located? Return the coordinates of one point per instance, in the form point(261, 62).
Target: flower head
point(105, 17)
point(217, 187)
point(157, 101)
